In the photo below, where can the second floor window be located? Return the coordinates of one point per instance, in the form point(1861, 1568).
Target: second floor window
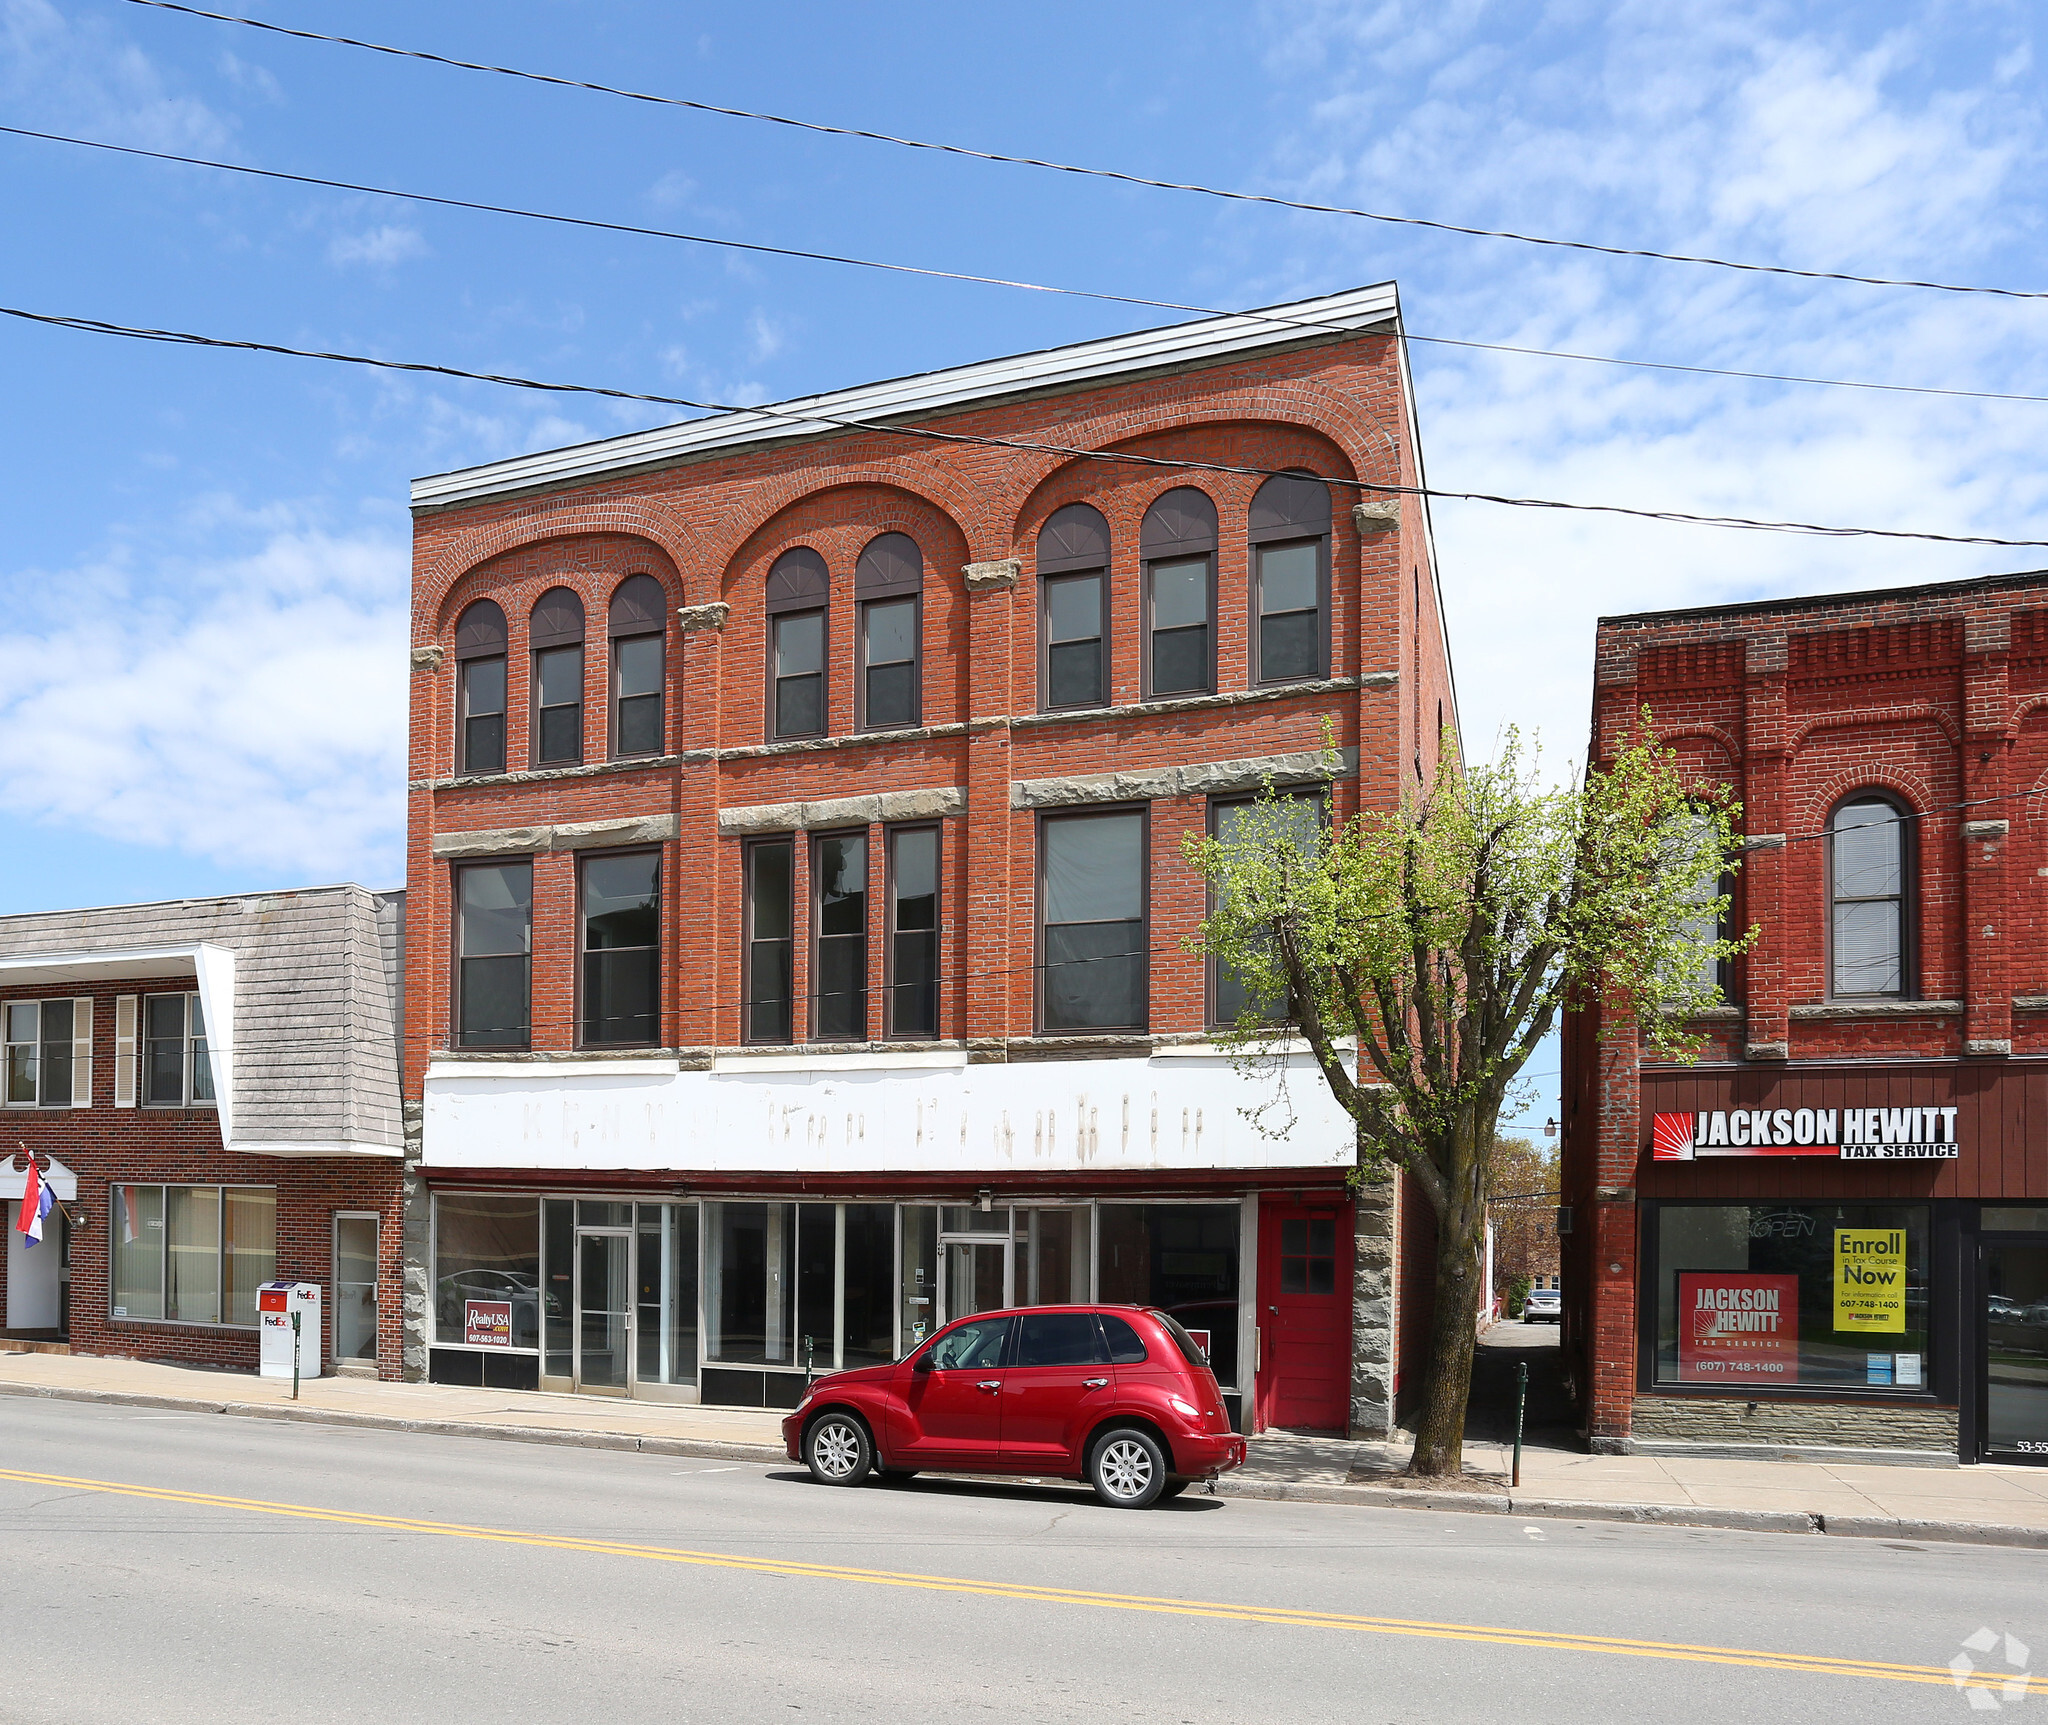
point(1231, 1001)
point(1091, 895)
point(621, 981)
point(839, 963)
point(638, 627)
point(1178, 546)
point(1073, 581)
point(1290, 540)
point(48, 1053)
point(1869, 874)
point(771, 939)
point(493, 954)
point(177, 1069)
point(797, 589)
point(914, 932)
point(480, 689)
point(888, 582)
point(557, 640)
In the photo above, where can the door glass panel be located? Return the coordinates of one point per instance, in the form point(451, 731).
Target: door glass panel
point(665, 1294)
point(1056, 1258)
point(2016, 1353)
point(355, 1287)
point(970, 1219)
point(558, 1301)
point(867, 1316)
point(816, 1265)
point(974, 1277)
point(918, 1314)
point(972, 1347)
point(1060, 1339)
point(603, 1309)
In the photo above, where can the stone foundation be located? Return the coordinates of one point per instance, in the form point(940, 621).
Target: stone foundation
point(1763, 1425)
point(1372, 1312)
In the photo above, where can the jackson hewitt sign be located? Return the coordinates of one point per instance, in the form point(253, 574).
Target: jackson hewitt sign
point(1852, 1134)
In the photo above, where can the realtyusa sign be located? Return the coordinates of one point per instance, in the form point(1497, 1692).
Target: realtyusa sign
point(1852, 1134)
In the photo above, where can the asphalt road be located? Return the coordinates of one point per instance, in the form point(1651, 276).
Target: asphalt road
point(246, 1570)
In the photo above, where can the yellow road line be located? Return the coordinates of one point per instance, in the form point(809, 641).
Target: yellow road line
point(790, 1568)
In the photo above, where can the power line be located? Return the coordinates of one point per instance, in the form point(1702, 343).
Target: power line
point(1088, 172)
point(807, 422)
point(761, 248)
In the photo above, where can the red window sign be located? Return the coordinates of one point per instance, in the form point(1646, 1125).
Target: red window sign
point(1737, 1327)
point(487, 1323)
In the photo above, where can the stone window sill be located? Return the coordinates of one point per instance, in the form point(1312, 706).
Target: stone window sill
point(1847, 1011)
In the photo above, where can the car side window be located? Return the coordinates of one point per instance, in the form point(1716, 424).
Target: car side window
point(972, 1347)
point(1059, 1339)
point(1125, 1349)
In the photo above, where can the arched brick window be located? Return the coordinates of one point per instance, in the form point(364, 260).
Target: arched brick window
point(637, 627)
point(1177, 545)
point(480, 688)
point(555, 637)
point(888, 584)
point(1289, 530)
point(797, 589)
point(1871, 844)
point(1073, 608)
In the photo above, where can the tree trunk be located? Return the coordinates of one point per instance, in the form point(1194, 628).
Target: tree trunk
point(1447, 1386)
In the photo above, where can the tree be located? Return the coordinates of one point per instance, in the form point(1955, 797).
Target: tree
point(1522, 1192)
point(1444, 937)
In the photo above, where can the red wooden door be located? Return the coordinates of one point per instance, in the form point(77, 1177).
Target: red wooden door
point(1304, 1374)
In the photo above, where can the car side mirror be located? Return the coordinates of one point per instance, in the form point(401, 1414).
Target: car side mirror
point(923, 1362)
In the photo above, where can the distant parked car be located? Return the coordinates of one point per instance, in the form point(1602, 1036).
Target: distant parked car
point(1542, 1306)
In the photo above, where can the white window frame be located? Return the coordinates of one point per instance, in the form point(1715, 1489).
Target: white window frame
point(189, 1054)
point(219, 1189)
point(80, 1057)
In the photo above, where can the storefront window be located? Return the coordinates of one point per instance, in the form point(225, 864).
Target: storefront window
point(1812, 1296)
point(869, 1334)
point(749, 1269)
point(1182, 1258)
point(666, 1280)
point(192, 1254)
point(486, 1268)
point(558, 1297)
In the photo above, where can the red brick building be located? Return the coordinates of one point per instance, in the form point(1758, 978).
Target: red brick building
point(1832, 1232)
point(797, 897)
point(209, 1088)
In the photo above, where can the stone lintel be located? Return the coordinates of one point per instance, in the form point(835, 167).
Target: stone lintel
point(925, 805)
point(1846, 1011)
point(564, 836)
point(1199, 778)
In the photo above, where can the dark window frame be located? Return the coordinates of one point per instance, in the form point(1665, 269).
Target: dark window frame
point(883, 576)
point(543, 638)
point(188, 1057)
point(487, 642)
point(1154, 549)
point(1908, 895)
point(456, 1031)
point(1322, 795)
point(890, 1028)
point(1047, 817)
point(799, 583)
point(1259, 540)
point(660, 947)
point(748, 941)
point(636, 629)
point(815, 935)
point(1049, 567)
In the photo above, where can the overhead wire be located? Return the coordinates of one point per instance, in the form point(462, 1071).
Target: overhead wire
point(762, 248)
point(806, 421)
point(1113, 174)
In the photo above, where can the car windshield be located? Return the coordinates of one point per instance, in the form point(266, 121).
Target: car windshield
point(972, 1347)
point(1190, 1349)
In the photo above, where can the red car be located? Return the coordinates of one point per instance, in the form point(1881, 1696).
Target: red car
point(1117, 1395)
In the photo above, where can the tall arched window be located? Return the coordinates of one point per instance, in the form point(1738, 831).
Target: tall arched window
point(797, 588)
point(1870, 882)
point(480, 688)
point(1073, 608)
point(555, 636)
point(1289, 532)
point(637, 627)
point(888, 583)
point(1177, 545)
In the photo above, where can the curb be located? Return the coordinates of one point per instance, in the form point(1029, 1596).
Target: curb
point(1275, 1491)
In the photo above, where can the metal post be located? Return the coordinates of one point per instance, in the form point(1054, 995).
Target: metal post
point(810, 1349)
point(1521, 1403)
point(295, 1356)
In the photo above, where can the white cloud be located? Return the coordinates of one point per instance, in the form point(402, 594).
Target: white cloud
point(245, 75)
point(248, 710)
point(379, 247)
point(81, 73)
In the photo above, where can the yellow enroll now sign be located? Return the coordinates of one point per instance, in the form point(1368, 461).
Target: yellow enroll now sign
point(1870, 1280)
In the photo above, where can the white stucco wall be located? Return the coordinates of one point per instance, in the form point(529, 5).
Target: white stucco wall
point(1168, 1113)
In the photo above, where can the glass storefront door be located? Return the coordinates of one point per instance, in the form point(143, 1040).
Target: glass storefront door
point(2014, 1286)
point(355, 1287)
point(604, 1311)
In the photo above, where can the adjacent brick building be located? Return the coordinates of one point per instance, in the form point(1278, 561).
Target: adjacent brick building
point(1832, 1232)
point(209, 1088)
point(797, 898)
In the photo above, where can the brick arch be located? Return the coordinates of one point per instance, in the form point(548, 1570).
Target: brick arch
point(958, 503)
point(1721, 739)
point(1880, 717)
point(595, 586)
point(544, 518)
point(1821, 802)
point(866, 507)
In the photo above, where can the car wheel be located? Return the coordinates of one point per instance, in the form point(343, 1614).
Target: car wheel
point(1172, 1489)
point(838, 1451)
point(1127, 1468)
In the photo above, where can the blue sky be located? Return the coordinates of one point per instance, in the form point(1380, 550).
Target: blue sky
point(204, 563)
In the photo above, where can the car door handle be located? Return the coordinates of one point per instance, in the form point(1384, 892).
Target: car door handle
point(990, 1384)
point(1095, 1383)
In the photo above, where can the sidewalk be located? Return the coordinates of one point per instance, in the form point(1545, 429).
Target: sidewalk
point(1984, 1505)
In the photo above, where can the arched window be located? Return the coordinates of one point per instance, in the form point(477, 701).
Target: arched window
point(1177, 544)
point(797, 587)
point(888, 582)
point(1289, 532)
point(480, 688)
point(1073, 608)
point(637, 627)
point(555, 637)
point(1870, 879)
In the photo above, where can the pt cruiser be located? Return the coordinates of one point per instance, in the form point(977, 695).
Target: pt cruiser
point(1120, 1396)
